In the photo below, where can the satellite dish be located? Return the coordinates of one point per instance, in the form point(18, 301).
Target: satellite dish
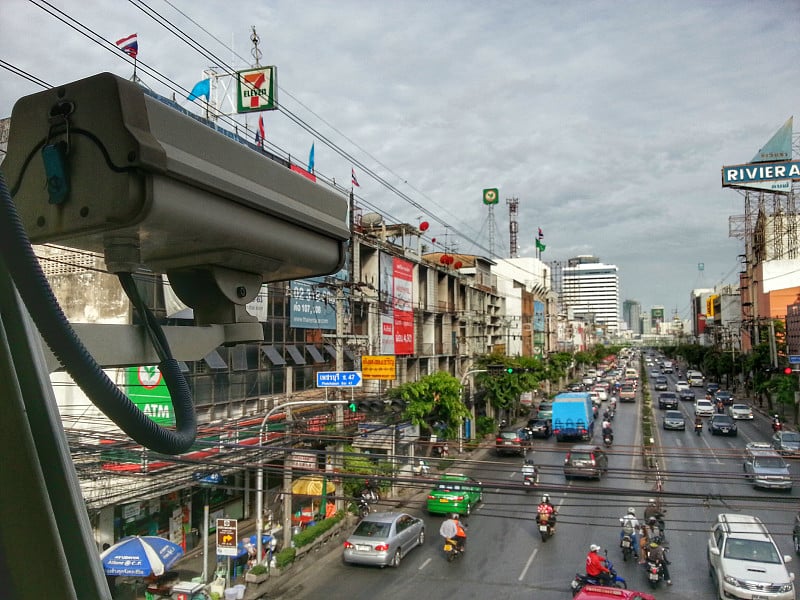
point(371, 219)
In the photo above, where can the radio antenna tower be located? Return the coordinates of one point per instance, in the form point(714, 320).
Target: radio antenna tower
point(513, 226)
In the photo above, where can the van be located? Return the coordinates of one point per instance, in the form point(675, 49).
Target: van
point(695, 378)
point(629, 372)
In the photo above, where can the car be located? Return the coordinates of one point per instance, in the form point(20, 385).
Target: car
point(666, 367)
point(595, 398)
point(673, 419)
point(765, 467)
point(512, 441)
point(725, 396)
point(744, 560)
point(695, 378)
point(603, 592)
point(601, 391)
point(681, 385)
point(384, 538)
point(540, 428)
point(687, 394)
point(585, 460)
point(655, 372)
point(660, 383)
point(796, 534)
point(711, 389)
point(454, 493)
point(668, 400)
point(703, 408)
point(740, 411)
point(588, 380)
point(627, 393)
point(787, 442)
point(722, 425)
point(545, 410)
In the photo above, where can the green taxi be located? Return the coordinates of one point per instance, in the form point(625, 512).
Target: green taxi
point(454, 494)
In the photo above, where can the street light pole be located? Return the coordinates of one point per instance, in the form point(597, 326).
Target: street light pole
point(260, 476)
point(461, 424)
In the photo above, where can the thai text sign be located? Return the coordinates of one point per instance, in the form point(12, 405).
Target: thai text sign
point(227, 537)
point(378, 367)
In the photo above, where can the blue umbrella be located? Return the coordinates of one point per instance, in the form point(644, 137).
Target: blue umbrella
point(140, 556)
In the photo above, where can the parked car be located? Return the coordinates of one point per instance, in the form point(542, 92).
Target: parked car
point(512, 441)
point(787, 442)
point(674, 419)
point(540, 428)
point(687, 394)
point(703, 408)
point(660, 383)
point(383, 539)
point(585, 460)
point(765, 467)
point(455, 493)
point(668, 400)
point(725, 396)
point(740, 411)
point(744, 561)
point(722, 425)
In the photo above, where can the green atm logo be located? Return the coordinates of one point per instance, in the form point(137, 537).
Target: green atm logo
point(147, 390)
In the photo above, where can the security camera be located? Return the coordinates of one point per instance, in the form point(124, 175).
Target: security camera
point(104, 165)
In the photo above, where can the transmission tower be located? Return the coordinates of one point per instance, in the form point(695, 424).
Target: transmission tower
point(513, 226)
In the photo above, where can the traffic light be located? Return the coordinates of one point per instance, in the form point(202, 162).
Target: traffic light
point(353, 407)
point(787, 370)
point(496, 370)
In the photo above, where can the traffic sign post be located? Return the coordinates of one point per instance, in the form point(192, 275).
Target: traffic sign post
point(794, 359)
point(339, 379)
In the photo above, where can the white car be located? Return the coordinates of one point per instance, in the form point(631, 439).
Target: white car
point(681, 385)
point(740, 411)
point(744, 561)
point(703, 408)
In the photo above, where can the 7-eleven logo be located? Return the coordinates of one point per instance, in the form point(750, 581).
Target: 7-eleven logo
point(256, 89)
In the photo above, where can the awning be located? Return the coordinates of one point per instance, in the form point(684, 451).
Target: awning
point(312, 350)
point(331, 350)
point(347, 352)
point(214, 360)
point(296, 355)
point(273, 355)
point(239, 357)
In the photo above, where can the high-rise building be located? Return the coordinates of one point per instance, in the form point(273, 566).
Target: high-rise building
point(590, 289)
point(632, 315)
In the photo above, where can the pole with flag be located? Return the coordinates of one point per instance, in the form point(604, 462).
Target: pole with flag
point(130, 46)
point(540, 247)
point(260, 132)
point(353, 179)
point(311, 159)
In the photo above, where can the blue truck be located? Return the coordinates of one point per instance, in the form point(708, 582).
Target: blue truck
point(573, 416)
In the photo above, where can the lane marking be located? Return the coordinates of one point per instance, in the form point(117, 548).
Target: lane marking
point(425, 564)
point(528, 564)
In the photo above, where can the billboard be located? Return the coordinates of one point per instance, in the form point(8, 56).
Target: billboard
point(311, 305)
point(148, 391)
point(656, 316)
point(395, 286)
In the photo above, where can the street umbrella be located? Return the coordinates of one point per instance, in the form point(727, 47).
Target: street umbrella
point(311, 485)
point(140, 556)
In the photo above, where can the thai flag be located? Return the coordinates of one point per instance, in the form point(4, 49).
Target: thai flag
point(260, 132)
point(541, 233)
point(353, 176)
point(129, 45)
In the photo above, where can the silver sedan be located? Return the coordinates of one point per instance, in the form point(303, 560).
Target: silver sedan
point(740, 411)
point(383, 539)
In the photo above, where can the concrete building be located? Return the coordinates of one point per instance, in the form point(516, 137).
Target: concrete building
point(590, 290)
point(632, 315)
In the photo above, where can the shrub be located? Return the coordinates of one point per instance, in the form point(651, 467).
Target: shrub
point(485, 426)
point(309, 534)
point(285, 557)
point(258, 569)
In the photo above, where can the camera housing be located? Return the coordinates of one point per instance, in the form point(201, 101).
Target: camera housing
point(122, 172)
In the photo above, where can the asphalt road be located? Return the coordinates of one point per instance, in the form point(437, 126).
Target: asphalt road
point(505, 557)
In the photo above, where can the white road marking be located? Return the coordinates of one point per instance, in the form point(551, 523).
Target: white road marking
point(528, 564)
point(425, 564)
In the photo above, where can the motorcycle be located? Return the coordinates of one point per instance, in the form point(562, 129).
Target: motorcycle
point(776, 425)
point(655, 572)
point(655, 526)
point(362, 507)
point(452, 549)
point(626, 543)
point(370, 492)
point(582, 580)
point(530, 477)
point(545, 525)
point(698, 428)
point(608, 438)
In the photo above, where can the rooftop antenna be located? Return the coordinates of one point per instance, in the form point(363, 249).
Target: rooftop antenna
point(490, 198)
point(255, 52)
point(513, 225)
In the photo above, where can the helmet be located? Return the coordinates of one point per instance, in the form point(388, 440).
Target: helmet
point(594, 548)
point(631, 510)
point(651, 501)
point(546, 498)
point(454, 516)
point(529, 461)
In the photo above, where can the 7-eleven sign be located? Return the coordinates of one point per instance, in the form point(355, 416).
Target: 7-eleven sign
point(256, 89)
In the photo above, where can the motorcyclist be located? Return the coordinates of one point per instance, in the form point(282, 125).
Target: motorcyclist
point(658, 553)
point(630, 524)
point(607, 431)
point(698, 423)
point(529, 468)
point(546, 507)
point(776, 423)
point(453, 529)
point(654, 512)
point(595, 566)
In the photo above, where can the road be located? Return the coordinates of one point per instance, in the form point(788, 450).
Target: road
point(505, 557)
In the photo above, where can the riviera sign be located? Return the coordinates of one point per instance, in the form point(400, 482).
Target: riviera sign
point(756, 172)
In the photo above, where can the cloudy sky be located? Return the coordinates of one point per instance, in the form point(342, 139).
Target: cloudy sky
point(608, 120)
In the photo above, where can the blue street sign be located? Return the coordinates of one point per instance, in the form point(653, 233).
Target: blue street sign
point(339, 379)
point(794, 359)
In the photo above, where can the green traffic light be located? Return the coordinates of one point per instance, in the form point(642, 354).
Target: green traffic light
point(510, 370)
point(352, 406)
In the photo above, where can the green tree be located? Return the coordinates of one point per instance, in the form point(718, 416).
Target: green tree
point(434, 403)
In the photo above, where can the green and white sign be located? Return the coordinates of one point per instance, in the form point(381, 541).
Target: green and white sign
point(147, 390)
point(491, 196)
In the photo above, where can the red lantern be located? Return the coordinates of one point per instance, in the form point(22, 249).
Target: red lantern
point(433, 240)
point(424, 226)
point(458, 265)
point(443, 259)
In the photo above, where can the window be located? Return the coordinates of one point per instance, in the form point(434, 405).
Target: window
point(754, 550)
